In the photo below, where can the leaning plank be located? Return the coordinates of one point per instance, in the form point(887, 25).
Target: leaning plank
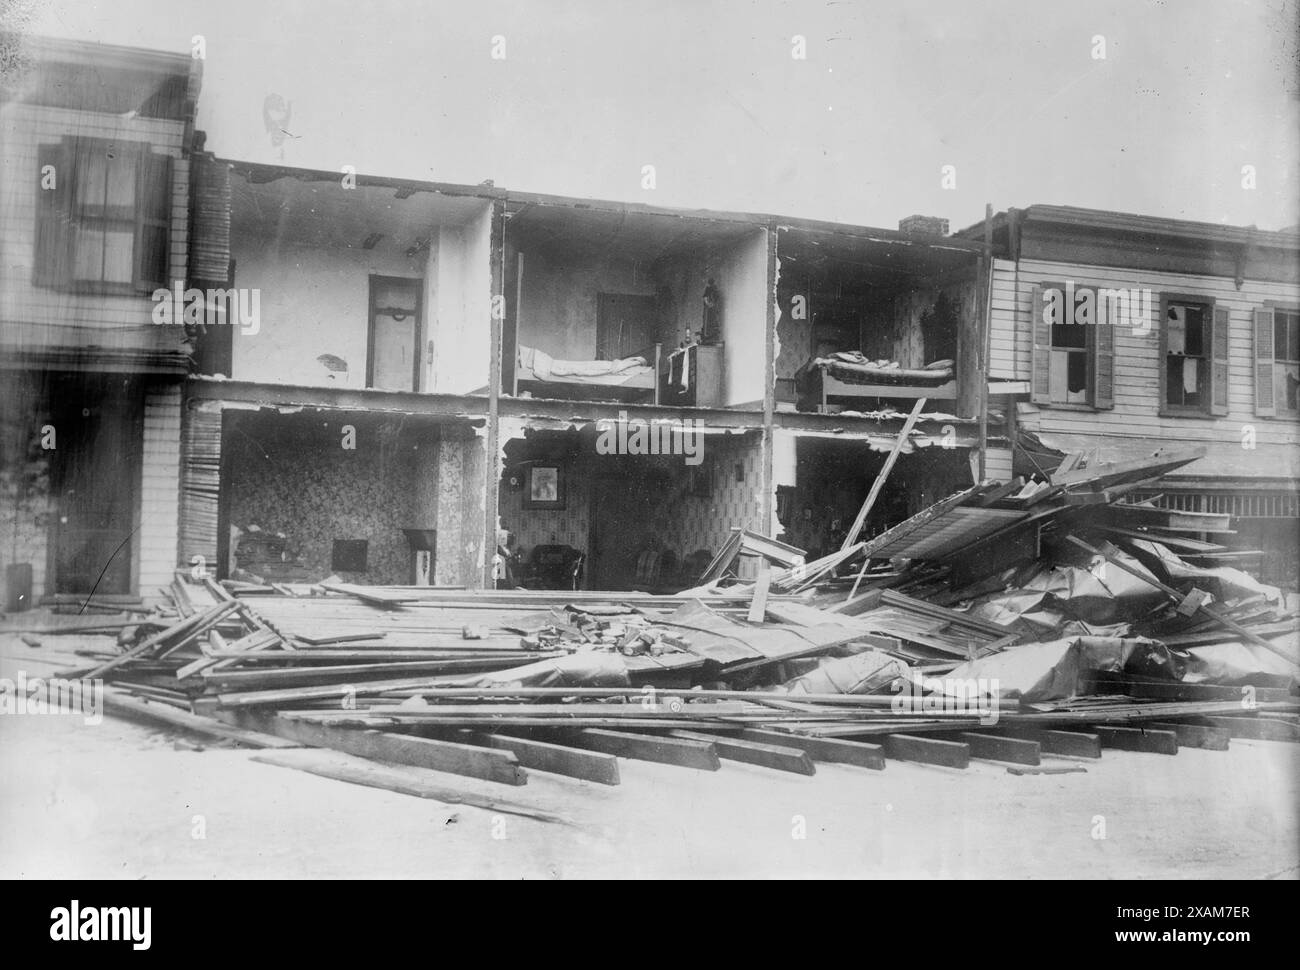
point(644, 747)
point(123, 705)
point(1254, 728)
point(760, 753)
point(558, 759)
point(449, 756)
point(829, 750)
point(1137, 739)
point(908, 747)
point(360, 772)
point(1019, 751)
point(879, 481)
point(1196, 735)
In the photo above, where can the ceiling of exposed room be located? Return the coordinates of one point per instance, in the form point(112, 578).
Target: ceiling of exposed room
point(323, 213)
point(840, 252)
point(580, 230)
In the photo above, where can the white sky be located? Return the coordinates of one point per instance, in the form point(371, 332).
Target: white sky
point(707, 91)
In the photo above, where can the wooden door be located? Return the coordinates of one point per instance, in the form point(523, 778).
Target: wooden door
point(396, 331)
point(94, 477)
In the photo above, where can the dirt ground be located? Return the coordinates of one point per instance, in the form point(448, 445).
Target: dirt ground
point(123, 800)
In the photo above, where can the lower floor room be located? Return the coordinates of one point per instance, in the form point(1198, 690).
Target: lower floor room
point(302, 494)
point(577, 514)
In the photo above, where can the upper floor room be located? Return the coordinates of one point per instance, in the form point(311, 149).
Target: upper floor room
point(94, 204)
point(330, 279)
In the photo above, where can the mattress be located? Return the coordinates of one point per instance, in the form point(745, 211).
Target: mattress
point(856, 369)
point(537, 365)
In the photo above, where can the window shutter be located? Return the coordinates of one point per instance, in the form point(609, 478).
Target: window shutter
point(1265, 405)
point(1103, 366)
point(1219, 361)
point(1040, 388)
point(52, 258)
point(152, 219)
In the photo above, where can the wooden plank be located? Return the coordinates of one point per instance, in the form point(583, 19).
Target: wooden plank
point(123, 705)
point(360, 772)
point(557, 759)
point(1018, 750)
point(1254, 728)
point(645, 747)
point(449, 756)
point(758, 605)
point(1137, 739)
point(829, 750)
point(907, 747)
point(1195, 735)
point(1044, 769)
point(782, 758)
point(1078, 744)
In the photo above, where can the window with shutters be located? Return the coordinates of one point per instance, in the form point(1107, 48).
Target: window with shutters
point(1193, 357)
point(1286, 362)
point(103, 213)
point(1074, 351)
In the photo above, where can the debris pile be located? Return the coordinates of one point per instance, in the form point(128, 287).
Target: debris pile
point(1015, 623)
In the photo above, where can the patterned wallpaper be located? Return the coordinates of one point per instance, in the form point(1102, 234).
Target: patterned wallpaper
point(291, 474)
point(671, 514)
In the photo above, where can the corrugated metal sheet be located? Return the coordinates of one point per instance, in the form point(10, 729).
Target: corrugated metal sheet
point(949, 532)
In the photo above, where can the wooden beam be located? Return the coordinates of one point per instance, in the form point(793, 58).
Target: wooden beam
point(1195, 735)
point(907, 747)
point(124, 705)
point(828, 750)
point(556, 759)
point(1044, 769)
point(644, 747)
point(1254, 728)
point(1137, 739)
point(371, 775)
point(780, 757)
point(449, 756)
point(1077, 744)
point(998, 748)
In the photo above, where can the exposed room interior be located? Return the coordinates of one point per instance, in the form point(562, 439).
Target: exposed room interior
point(577, 518)
point(383, 285)
point(587, 287)
point(357, 495)
point(904, 310)
point(833, 475)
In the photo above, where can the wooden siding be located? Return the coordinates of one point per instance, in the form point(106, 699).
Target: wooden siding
point(160, 485)
point(1134, 424)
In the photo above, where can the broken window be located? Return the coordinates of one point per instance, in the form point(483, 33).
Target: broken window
point(1186, 357)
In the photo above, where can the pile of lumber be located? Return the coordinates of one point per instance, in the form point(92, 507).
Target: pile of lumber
point(834, 660)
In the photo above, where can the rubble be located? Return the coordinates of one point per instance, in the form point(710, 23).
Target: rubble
point(1003, 613)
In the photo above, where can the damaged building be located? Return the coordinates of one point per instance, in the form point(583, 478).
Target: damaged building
point(399, 382)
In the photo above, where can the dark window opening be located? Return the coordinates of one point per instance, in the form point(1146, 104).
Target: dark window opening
point(349, 555)
point(1187, 370)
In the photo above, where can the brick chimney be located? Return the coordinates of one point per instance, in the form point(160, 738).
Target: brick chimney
point(924, 225)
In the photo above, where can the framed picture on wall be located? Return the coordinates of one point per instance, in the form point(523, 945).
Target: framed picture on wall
point(544, 487)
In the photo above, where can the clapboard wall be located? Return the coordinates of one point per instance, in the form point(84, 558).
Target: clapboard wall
point(1134, 425)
